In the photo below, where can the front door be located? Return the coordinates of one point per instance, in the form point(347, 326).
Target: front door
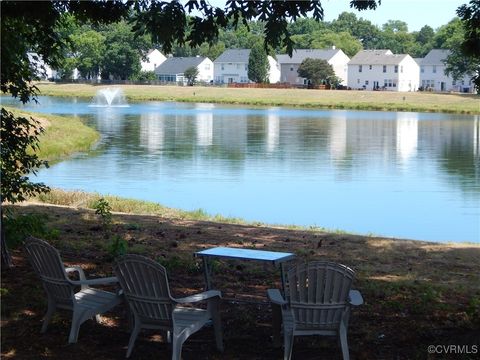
point(375, 85)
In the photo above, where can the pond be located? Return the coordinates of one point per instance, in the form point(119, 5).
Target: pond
point(399, 174)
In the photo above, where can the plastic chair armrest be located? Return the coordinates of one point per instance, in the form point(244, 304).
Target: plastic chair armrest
point(276, 297)
point(355, 298)
point(199, 297)
point(100, 281)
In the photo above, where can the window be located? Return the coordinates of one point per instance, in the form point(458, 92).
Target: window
point(384, 68)
point(396, 69)
point(422, 69)
point(359, 68)
point(291, 68)
point(370, 67)
point(366, 82)
point(434, 69)
point(401, 69)
point(246, 67)
point(238, 66)
point(223, 66)
point(358, 81)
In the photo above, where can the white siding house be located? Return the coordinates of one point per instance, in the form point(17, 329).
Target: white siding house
point(154, 59)
point(289, 65)
point(381, 69)
point(42, 70)
point(172, 69)
point(433, 77)
point(232, 67)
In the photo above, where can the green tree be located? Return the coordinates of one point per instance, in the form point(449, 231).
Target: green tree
point(89, 53)
point(465, 57)
point(361, 29)
point(395, 26)
point(122, 56)
point(191, 75)
point(449, 35)
point(341, 40)
point(258, 66)
point(317, 71)
point(424, 40)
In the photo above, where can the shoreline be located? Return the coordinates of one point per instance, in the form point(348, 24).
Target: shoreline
point(449, 103)
point(131, 206)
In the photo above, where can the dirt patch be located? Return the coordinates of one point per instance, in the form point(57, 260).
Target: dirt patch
point(416, 293)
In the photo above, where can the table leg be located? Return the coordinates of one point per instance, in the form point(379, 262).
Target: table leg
point(282, 276)
point(206, 273)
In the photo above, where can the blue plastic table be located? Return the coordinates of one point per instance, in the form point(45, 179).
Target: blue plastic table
point(274, 257)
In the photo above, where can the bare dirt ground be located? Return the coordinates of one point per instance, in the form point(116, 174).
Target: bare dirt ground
point(416, 293)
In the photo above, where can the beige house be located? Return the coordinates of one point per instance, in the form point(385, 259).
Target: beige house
point(289, 64)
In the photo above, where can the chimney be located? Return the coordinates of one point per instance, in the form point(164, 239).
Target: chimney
point(333, 47)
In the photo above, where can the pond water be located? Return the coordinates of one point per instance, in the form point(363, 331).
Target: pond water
point(406, 175)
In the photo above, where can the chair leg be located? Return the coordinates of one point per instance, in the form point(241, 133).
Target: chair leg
point(177, 343)
point(48, 316)
point(78, 319)
point(217, 327)
point(277, 325)
point(343, 341)
point(288, 344)
point(133, 337)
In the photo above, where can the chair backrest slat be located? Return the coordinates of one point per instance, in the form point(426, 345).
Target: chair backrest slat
point(47, 263)
point(317, 293)
point(146, 289)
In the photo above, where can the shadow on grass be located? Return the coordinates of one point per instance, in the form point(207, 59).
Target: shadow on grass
point(416, 293)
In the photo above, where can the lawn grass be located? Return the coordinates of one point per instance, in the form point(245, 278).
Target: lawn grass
point(315, 99)
point(63, 135)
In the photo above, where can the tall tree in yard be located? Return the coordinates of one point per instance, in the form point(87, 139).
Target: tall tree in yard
point(191, 75)
point(258, 66)
point(317, 71)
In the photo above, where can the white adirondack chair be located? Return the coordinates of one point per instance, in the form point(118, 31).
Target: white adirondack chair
point(317, 301)
point(85, 304)
point(145, 286)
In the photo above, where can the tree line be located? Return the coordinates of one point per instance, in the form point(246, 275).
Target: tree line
point(114, 51)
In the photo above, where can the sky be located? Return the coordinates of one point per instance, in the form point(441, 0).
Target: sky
point(416, 13)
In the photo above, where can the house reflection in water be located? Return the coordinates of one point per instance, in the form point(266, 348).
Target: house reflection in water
point(273, 131)
point(338, 135)
point(204, 124)
point(407, 136)
point(152, 131)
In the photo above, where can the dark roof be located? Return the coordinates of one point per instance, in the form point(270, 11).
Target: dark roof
point(234, 56)
point(435, 57)
point(377, 57)
point(301, 54)
point(178, 65)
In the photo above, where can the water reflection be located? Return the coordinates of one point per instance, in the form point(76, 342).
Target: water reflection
point(407, 175)
point(407, 136)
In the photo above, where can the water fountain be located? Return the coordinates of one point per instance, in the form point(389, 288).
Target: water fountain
point(109, 97)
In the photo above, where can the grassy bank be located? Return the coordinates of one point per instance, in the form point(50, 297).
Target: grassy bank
point(63, 136)
point(318, 99)
point(133, 206)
